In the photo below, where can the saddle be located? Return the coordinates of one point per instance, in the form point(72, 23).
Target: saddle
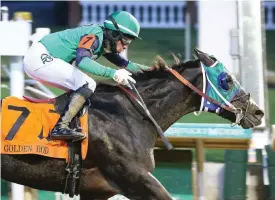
point(26, 125)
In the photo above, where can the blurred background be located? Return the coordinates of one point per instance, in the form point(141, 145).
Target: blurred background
point(168, 27)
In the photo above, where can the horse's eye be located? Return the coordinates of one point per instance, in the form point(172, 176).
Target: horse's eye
point(229, 78)
point(225, 81)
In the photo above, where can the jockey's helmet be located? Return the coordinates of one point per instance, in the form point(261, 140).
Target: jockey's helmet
point(122, 26)
point(124, 22)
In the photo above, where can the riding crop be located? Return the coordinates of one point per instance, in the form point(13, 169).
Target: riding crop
point(140, 101)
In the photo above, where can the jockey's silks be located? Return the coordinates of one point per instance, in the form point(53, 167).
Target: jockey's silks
point(63, 44)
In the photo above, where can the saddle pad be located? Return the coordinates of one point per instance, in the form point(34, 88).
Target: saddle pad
point(26, 126)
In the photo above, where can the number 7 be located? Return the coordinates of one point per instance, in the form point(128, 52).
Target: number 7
point(87, 40)
point(25, 113)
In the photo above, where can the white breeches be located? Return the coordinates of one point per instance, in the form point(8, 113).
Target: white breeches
point(41, 66)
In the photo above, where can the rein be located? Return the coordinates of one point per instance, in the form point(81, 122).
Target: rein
point(140, 101)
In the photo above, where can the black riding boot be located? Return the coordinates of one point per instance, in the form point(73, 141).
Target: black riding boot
point(62, 131)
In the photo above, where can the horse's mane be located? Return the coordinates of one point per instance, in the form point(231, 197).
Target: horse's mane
point(159, 72)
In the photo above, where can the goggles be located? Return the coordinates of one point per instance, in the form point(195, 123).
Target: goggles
point(125, 41)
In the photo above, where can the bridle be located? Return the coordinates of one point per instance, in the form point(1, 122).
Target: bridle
point(229, 107)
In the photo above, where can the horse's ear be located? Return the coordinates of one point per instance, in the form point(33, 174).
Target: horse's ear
point(204, 57)
point(176, 59)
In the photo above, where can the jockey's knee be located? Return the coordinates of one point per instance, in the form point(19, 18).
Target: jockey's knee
point(88, 88)
point(27, 67)
point(91, 84)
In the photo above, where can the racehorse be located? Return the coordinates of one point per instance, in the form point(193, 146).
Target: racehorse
point(121, 138)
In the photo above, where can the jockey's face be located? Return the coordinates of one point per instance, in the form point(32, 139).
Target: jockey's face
point(123, 44)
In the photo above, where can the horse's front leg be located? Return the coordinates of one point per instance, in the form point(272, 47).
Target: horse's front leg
point(95, 186)
point(141, 185)
point(153, 188)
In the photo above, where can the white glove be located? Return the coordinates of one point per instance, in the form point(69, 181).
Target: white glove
point(123, 77)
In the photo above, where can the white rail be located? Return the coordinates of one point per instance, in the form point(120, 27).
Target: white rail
point(162, 14)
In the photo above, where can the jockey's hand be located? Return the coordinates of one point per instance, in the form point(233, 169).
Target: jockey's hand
point(122, 76)
point(138, 68)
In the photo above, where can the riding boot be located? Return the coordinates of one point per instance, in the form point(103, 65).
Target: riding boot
point(62, 131)
point(79, 115)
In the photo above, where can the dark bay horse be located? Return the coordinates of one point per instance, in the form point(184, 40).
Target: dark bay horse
point(121, 138)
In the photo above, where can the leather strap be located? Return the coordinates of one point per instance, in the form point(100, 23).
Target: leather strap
point(192, 87)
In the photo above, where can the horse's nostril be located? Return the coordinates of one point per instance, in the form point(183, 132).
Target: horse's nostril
point(259, 113)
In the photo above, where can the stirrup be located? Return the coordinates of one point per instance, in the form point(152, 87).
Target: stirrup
point(59, 133)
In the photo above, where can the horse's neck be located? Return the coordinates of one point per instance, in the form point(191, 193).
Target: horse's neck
point(165, 96)
point(169, 100)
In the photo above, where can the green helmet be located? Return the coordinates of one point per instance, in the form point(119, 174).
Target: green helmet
point(126, 23)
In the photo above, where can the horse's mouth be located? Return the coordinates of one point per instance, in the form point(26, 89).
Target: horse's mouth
point(249, 123)
point(253, 116)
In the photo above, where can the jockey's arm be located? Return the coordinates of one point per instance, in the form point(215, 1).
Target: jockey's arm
point(120, 61)
point(84, 61)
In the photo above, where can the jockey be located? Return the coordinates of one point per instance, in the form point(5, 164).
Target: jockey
point(50, 61)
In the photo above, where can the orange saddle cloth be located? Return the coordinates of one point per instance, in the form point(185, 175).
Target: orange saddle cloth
point(26, 127)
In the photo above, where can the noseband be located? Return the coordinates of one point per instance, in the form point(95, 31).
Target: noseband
point(246, 110)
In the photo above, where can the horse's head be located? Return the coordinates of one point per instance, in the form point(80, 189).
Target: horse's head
point(232, 102)
point(169, 99)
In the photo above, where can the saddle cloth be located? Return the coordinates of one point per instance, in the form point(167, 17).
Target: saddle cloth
point(26, 127)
